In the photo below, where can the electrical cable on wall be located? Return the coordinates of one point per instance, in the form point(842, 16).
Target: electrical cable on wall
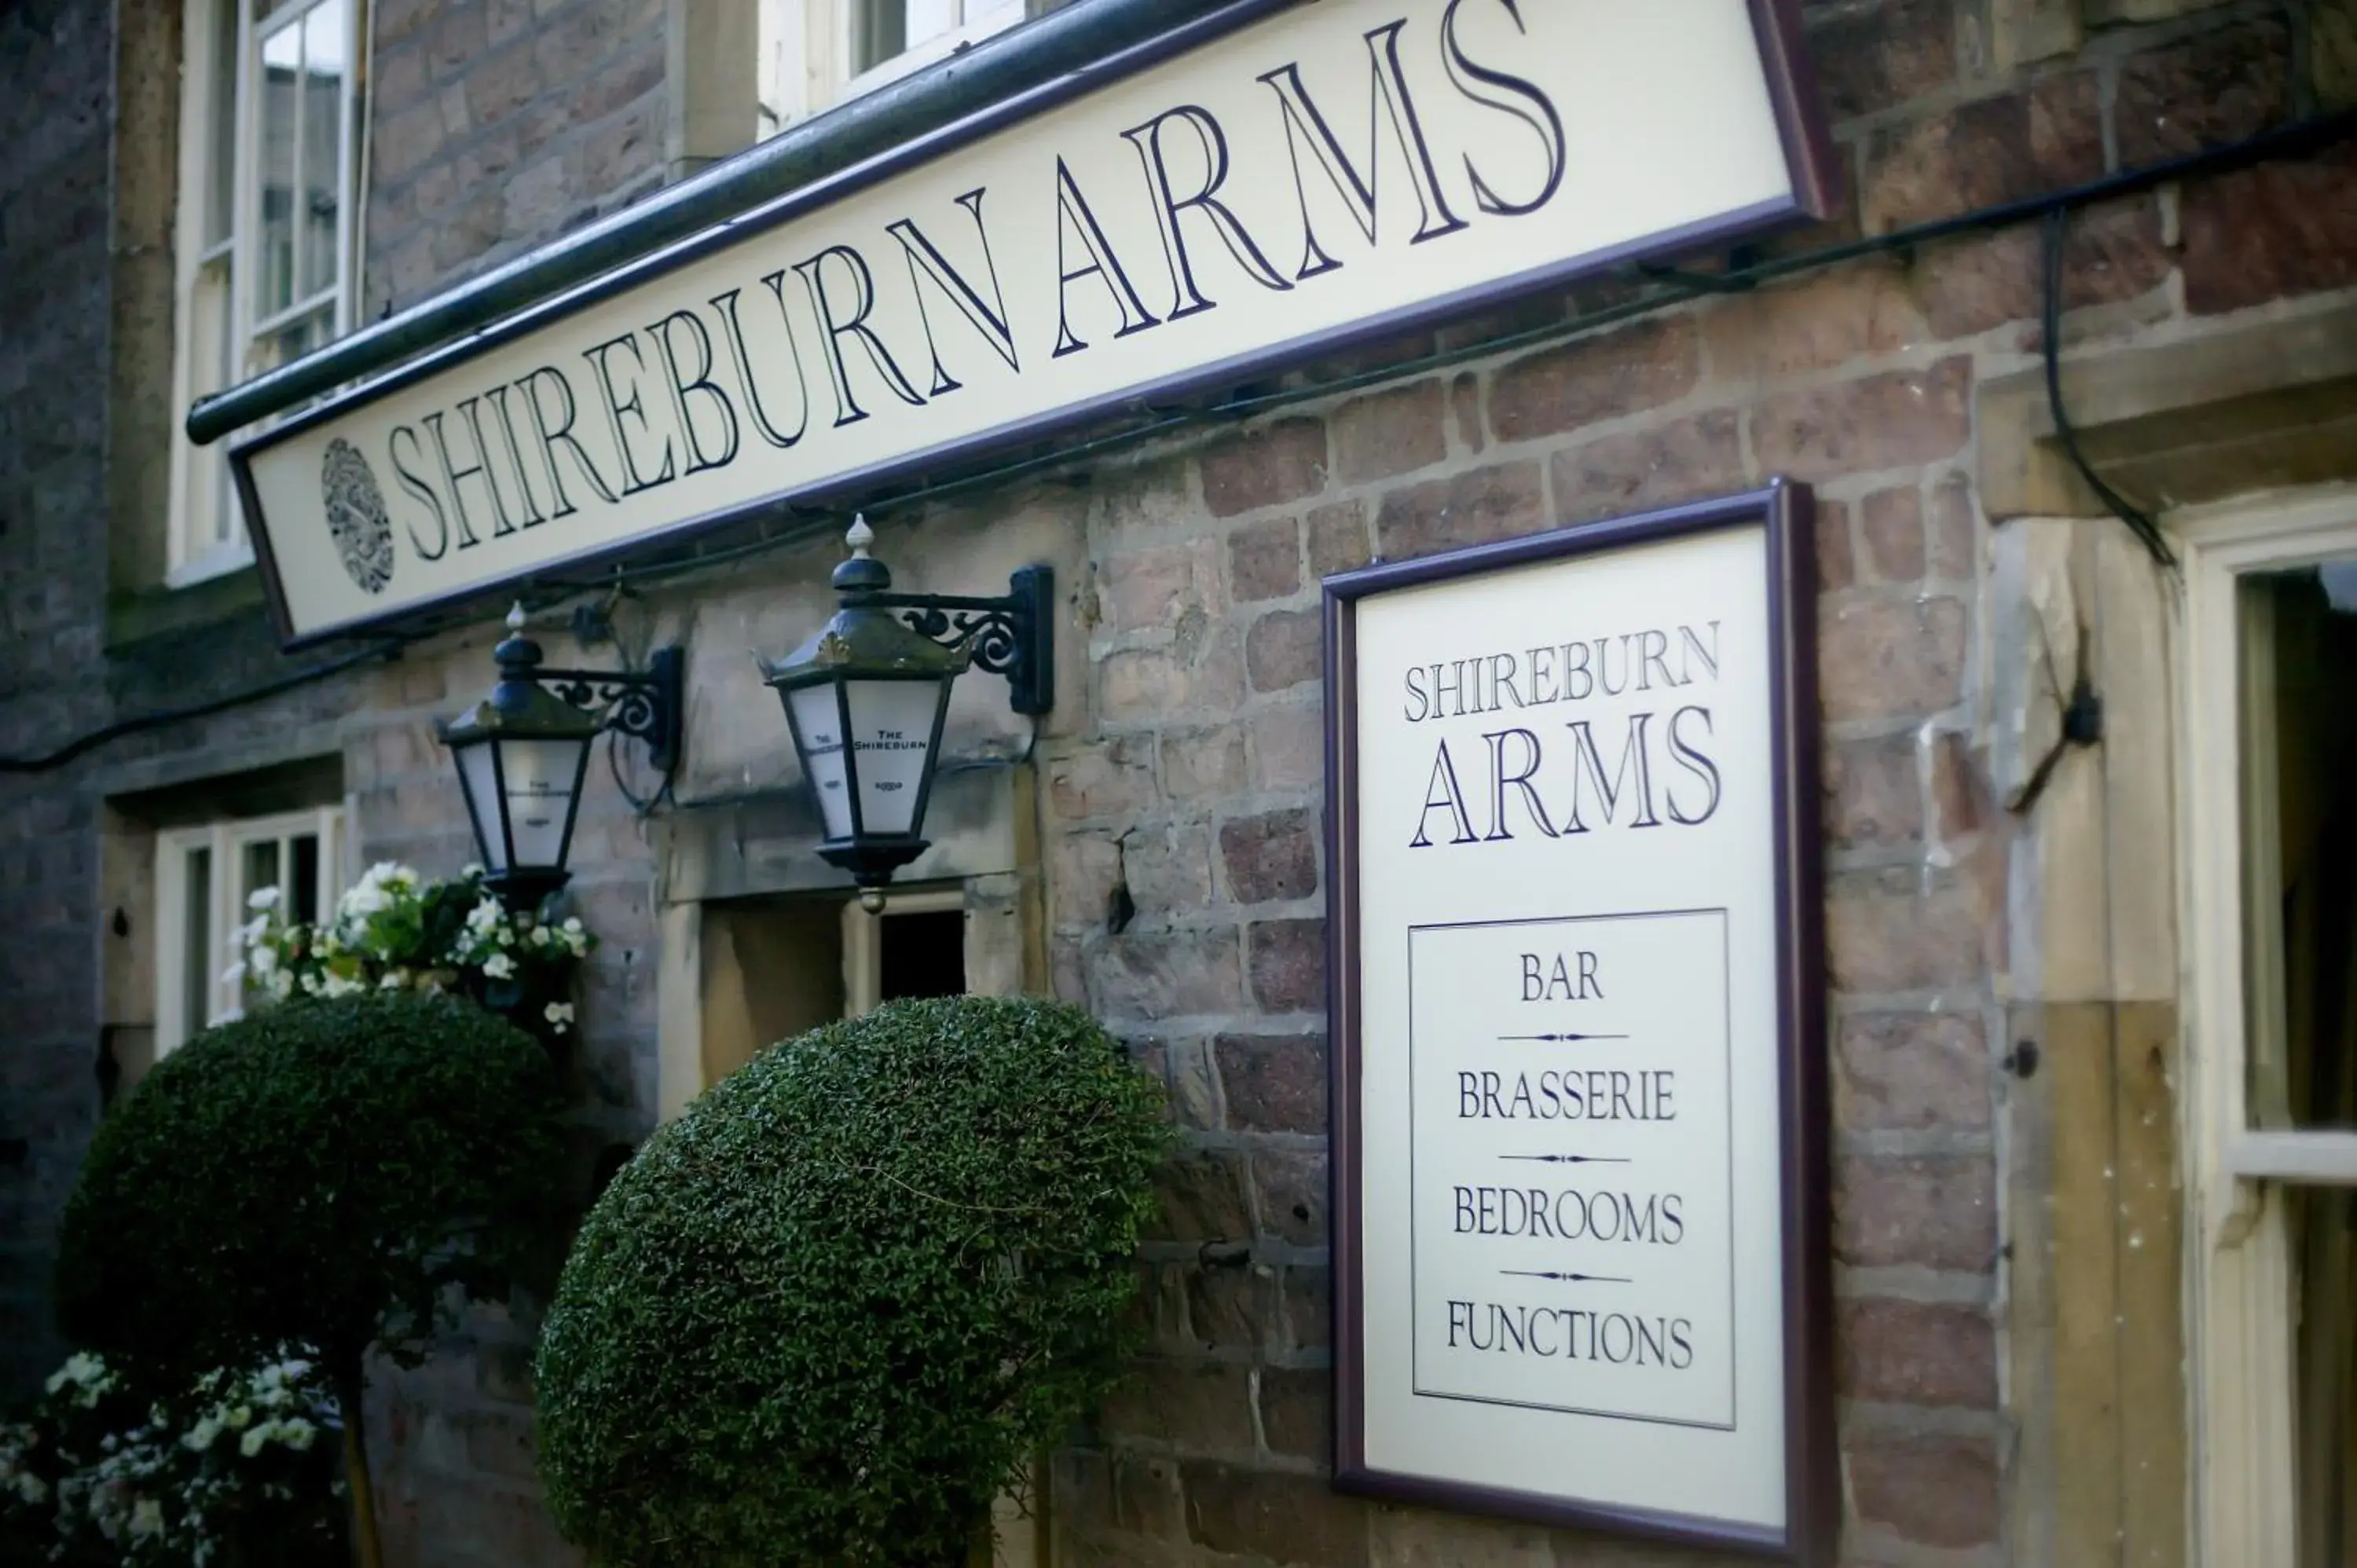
point(1677, 286)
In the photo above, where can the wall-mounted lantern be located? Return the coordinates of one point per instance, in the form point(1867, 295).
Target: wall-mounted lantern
point(523, 752)
point(866, 699)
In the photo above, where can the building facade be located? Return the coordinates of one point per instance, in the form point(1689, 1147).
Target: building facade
point(2088, 1131)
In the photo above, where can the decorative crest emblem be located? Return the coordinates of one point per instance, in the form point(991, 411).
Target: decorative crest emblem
point(356, 516)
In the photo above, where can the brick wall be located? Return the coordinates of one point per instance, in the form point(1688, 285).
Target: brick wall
point(496, 124)
point(56, 93)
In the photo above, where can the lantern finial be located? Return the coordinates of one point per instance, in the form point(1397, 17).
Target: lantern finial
point(516, 621)
point(860, 537)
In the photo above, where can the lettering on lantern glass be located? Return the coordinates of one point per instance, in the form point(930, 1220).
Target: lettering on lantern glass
point(1351, 165)
point(1562, 806)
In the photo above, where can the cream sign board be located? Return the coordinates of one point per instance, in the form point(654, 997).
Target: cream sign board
point(1277, 180)
point(1579, 1135)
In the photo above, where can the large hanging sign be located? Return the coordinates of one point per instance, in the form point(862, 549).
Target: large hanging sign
point(1239, 195)
point(1579, 1142)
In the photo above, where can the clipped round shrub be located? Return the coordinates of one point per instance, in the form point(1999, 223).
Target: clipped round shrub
point(314, 1174)
point(826, 1315)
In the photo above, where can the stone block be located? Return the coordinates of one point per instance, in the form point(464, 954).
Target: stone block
point(1273, 1083)
point(1288, 746)
point(1145, 976)
point(2203, 92)
point(1911, 1072)
point(1200, 765)
point(1337, 539)
point(1385, 434)
point(1636, 470)
point(1879, 58)
point(1984, 152)
point(1913, 1352)
point(1816, 323)
point(1963, 797)
point(1271, 858)
point(1881, 659)
point(1169, 869)
point(1266, 466)
point(1874, 794)
point(1474, 508)
point(1891, 522)
point(1934, 1491)
point(1230, 1308)
point(1265, 561)
point(1290, 1194)
point(1953, 531)
point(1894, 420)
point(1836, 551)
point(1296, 1412)
point(1195, 675)
point(2274, 231)
point(1285, 649)
point(1202, 1196)
point(1934, 1212)
point(1607, 376)
point(1192, 1408)
point(1286, 960)
point(1902, 931)
point(1159, 587)
point(1284, 1519)
point(1103, 778)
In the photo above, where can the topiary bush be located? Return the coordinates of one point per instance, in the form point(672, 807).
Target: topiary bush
point(826, 1315)
point(317, 1174)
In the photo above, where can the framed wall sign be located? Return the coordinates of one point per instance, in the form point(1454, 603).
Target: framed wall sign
point(1579, 1130)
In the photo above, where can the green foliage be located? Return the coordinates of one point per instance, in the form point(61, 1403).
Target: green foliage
point(825, 1317)
point(316, 1174)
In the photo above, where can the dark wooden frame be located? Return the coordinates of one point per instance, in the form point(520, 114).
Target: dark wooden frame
point(1809, 156)
point(1786, 511)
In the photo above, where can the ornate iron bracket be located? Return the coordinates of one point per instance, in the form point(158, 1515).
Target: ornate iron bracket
point(650, 707)
point(1014, 636)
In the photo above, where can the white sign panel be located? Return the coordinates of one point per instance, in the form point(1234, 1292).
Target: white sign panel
point(1574, 966)
point(1323, 173)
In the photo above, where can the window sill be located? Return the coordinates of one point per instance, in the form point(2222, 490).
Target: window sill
point(136, 618)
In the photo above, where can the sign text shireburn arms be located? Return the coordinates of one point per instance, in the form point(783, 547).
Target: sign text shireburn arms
point(1288, 181)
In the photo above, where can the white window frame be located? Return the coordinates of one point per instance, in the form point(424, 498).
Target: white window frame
point(2240, 1270)
point(227, 841)
point(807, 67)
point(196, 549)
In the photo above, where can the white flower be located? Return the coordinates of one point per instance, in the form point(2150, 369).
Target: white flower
point(559, 1014)
point(234, 1016)
point(498, 966)
point(472, 870)
point(573, 927)
point(250, 1444)
point(394, 980)
point(296, 1434)
point(201, 1436)
point(234, 975)
point(32, 1489)
point(262, 898)
point(147, 1518)
point(240, 1417)
point(265, 962)
point(336, 985)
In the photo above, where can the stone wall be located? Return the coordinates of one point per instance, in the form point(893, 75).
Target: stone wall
point(56, 101)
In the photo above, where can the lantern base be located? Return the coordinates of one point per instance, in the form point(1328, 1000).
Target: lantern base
point(872, 861)
point(523, 892)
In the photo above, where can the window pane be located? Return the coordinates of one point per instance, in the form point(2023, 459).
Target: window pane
point(261, 872)
point(879, 32)
point(929, 19)
point(2325, 1237)
point(2300, 844)
point(305, 894)
point(201, 964)
point(325, 56)
point(221, 199)
point(281, 63)
point(295, 339)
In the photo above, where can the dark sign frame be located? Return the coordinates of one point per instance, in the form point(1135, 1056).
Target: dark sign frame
point(1809, 154)
point(1787, 510)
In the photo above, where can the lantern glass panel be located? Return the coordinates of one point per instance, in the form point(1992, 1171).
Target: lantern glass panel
point(542, 776)
point(476, 777)
point(892, 728)
point(818, 729)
